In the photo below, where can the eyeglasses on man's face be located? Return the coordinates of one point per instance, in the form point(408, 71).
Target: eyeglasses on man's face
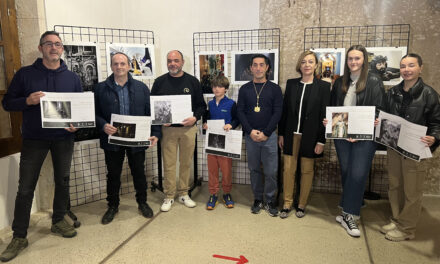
point(49, 44)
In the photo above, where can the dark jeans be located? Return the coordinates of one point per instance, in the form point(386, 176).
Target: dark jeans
point(355, 161)
point(114, 161)
point(32, 156)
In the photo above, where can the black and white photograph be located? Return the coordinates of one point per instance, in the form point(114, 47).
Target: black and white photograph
point(216, 141)
point(162, 112)
point(330, 63)
point(141, 58)
point(57, 109)
point(241, 63)
point(125, 130)
point(209, 65)
point(83, 58)
point(389, 133)
point(340, 125)
point(385, 62)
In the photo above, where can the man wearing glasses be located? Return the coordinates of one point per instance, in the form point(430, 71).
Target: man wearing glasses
point(46, 74)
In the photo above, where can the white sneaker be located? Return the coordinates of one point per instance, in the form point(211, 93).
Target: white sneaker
point(186, 200)
point(387, 228)
point(350, 225)
point(166, 206)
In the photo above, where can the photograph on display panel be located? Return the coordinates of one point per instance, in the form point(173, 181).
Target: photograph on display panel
point(208, 66)
point(141, 58)
point(83, 58)
point(385, 62)
point(330, 63)
point(241, 63)
point(356, 122)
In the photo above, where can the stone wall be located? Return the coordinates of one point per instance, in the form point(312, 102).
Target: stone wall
point(292, 16)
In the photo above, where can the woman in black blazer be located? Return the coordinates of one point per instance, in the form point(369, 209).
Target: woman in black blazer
point(300, 130)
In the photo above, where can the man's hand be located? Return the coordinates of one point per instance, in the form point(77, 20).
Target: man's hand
point(254, 135)
point(262, 137)
point(71, 128)
point(153, 141)
point(109, 129)
point(34, 98)
point(205, 126)
point(189, 121)
point(227, 127)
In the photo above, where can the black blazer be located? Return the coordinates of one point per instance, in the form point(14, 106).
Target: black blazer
point(313, 129)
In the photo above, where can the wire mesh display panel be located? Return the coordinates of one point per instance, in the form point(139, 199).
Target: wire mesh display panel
point(327, 171)
point(226, 42)
point(88, 170)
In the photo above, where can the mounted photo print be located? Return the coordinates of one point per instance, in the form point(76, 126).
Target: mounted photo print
point(141, 58)
point(385, 61)
point(83, 58)
point(241, 62)
point(330, 63)
point(209, 65)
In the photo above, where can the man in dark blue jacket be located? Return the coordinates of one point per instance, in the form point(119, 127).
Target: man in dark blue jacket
point(123, 95)
point(47, 74)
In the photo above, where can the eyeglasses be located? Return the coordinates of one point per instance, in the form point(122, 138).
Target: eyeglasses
point(48, 44)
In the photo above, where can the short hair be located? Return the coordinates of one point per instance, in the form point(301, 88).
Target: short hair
point(50, 32)
point(220, 81)
point(301, 57)
point(266, 60)
point(178, 51)
point(413, 55)
point(122, 53)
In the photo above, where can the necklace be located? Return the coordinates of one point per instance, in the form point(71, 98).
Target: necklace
point(257, 108)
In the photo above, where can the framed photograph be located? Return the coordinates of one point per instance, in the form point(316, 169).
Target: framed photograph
point(84, 59)
point(141, 58)
point(209, 65)
point(385, 61)
point(241, 63)
point(330, 63)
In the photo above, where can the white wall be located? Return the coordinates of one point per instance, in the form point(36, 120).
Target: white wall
point(8, 188)
point(172, 21)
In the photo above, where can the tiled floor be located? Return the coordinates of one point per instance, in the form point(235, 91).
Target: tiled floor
point(194, 235)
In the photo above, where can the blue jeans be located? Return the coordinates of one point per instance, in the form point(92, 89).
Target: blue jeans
point(355, 162)
point(33, 153)
point(263, 153)
point(114, 161)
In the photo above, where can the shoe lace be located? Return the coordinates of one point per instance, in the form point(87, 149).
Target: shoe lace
point(350, 221)
point(15, 243)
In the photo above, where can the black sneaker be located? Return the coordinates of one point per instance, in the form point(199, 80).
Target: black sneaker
point(17, 244)
point(109, 215)
point(350, 225)
point(145, 210)
point(256, 207)
point(271, 209)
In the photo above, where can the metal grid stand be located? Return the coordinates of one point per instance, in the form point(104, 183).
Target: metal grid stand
point(227, 41)
point(396, 35)
point(88, 183)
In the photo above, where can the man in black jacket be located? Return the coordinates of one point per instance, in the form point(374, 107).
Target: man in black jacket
point(121, 94)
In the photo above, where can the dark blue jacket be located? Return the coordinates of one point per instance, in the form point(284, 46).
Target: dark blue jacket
point(107, 103)
point(34, 78)
point(226, 110)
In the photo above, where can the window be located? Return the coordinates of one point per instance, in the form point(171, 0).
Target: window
point(10, 138)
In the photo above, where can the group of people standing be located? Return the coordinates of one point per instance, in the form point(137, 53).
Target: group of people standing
point(261, 109)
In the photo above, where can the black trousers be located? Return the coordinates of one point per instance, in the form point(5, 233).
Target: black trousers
point(32, 156)
point(114, 161)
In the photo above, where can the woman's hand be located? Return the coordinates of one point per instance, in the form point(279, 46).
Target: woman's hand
point(325, 121)
point(319, 148)
point(281, 141)
point(428, 140)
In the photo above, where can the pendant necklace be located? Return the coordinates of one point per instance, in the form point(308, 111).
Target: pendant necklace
point(257, 108)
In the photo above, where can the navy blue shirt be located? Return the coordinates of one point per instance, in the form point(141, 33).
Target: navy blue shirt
point(270, 103)
point(226, 110)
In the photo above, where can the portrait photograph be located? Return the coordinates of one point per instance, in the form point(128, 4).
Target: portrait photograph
point(209, 65)
point(389, 133)
point(241, 65)
point(330, 63)
point(385, 62)
point(57, 109)
point(83, 58)
point(340, 125)
point(162, 113)
point(124, 130)
point(141, 58)
point(216, 141)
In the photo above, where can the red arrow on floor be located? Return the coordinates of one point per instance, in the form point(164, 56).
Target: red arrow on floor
point(240, 260)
